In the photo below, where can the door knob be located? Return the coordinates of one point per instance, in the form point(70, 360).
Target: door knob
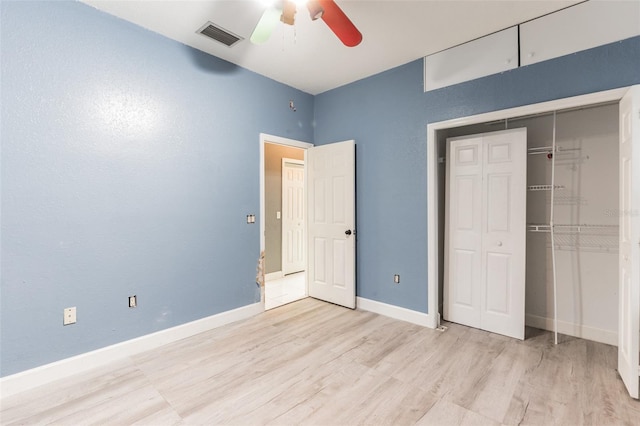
point(499, 243)
point(347, 232)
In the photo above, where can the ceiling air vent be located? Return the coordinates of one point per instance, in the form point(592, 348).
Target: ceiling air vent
point(217, 33)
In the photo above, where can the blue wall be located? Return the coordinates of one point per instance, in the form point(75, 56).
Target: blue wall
point(130, 161)
point(129, 164)
point(387, 115)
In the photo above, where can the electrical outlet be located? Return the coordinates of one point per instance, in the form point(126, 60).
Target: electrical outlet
point(396, 279)
point(69, 316)
point(133, 301)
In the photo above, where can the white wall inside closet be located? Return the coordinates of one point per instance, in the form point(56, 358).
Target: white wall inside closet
point(587, 261)
point(587, 195)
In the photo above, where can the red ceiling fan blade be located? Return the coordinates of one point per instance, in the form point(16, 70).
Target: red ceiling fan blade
point(340, 24)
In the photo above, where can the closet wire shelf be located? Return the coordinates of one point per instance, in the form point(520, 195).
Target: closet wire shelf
point(601, 238)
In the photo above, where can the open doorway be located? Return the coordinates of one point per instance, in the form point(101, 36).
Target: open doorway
point(283, 220)
point(330, 248)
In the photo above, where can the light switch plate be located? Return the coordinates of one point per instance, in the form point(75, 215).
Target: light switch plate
point(69, 316)
point(278, 215)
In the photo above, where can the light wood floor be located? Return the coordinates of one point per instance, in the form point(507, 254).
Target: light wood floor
point(316, 363)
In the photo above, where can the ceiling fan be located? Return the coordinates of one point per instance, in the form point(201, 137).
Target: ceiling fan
point(327, 10)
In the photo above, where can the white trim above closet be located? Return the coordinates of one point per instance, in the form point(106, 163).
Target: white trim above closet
point(560, 33)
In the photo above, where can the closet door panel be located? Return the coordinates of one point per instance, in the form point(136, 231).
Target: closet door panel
point(504, 232)
point(498, 277)
point(464, 262)
point(464, 227)
point(499, 189)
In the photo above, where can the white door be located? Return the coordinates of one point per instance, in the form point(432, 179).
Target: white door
point(293, 216)
point(331, 221)
point(629, 275)
point(463, 222)
point(486, 231)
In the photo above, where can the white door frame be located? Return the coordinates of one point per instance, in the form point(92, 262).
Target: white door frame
point(276, 140)
point(433, 273)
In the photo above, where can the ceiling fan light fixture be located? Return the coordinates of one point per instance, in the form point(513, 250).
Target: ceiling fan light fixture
point(315, 9)
point(288, 12)
point(327, 10)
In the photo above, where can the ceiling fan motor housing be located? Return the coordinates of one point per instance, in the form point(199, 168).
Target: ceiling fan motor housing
point(288, 12)
point(315, 9)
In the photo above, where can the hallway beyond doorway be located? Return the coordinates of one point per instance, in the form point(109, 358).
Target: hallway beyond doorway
point(284, 290)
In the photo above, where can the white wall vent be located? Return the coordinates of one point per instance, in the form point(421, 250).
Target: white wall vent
point(219, 34)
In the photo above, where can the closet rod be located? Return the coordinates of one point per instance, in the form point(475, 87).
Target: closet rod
point(540, 150)
point(548, 150)
point(544, 187)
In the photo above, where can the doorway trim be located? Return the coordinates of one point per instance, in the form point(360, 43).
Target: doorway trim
point(276, 140)
point(433, 255)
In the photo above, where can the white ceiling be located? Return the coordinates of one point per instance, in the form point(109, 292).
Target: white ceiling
point(309, 56)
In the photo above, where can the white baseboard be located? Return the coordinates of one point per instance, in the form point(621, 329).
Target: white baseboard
point(28, 379)
point(395, 312)
point(273, 276)
point(575, 330)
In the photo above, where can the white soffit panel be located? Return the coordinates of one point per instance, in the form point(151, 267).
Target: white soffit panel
point(577, 28)
point(488, 55)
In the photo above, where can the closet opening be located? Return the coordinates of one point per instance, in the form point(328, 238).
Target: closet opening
point(572, 189)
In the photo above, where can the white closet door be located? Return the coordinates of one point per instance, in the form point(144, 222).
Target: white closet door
point(463, 222)
point(504, 232)
point(486, 231)
point(629, 276)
